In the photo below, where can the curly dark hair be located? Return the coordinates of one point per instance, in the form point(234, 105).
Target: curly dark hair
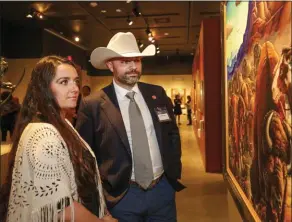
point(40, 105)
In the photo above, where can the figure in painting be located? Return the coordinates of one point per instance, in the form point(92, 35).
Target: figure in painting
point(272, 138)
point(260, 101)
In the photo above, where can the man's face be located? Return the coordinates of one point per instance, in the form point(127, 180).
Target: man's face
point(126, 71)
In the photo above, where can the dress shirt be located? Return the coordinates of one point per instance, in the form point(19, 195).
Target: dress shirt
point(148, 122)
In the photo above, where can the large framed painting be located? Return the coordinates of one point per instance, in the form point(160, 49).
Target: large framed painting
point(257, 91)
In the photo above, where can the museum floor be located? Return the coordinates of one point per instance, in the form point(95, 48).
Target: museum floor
point(205, 198)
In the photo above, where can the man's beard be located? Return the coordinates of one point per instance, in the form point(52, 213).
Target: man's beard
point(130, 80)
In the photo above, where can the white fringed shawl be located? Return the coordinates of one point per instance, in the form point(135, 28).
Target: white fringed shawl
point(43, 181)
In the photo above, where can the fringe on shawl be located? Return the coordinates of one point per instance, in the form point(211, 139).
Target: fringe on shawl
point(55, 211)
point(102, 204)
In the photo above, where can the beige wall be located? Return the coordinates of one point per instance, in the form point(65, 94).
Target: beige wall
point(168, 82)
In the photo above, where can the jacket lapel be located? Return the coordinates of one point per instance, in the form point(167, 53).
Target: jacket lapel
point(152, 104)
point(111, 109)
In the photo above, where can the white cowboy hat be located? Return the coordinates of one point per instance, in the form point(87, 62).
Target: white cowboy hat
point(121, 45)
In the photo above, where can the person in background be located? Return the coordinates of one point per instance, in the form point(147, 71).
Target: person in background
point(9, 112)
point(85, 91)
point(131, 128)
point(177, 108)
point(52, 174)
point(189, 109)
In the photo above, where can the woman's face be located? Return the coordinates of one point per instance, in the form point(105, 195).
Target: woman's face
point(65, 86)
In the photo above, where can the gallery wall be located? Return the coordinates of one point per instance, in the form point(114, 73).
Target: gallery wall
point(207, 77)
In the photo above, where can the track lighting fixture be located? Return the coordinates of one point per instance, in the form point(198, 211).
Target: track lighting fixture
point(157, 49)
point(129, 21)
point(140, 44)
point(34, 13)
point(148, 32)
point(136, 10)
point(93, 4)
point(31, 13)
point(40, 15)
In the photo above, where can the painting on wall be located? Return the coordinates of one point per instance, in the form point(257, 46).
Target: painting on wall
point(257, 60)
point(198, 95)
point(181, 93)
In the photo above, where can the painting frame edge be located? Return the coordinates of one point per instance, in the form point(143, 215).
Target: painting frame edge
point(244, 207)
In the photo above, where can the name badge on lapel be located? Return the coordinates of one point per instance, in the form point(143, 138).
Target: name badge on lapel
point(162, 114)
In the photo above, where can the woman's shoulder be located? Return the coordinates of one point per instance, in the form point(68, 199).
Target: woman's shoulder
point(39, 131)
point(41, 142)
point(39, 126)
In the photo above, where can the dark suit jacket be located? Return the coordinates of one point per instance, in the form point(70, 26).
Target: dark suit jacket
point(101, 125)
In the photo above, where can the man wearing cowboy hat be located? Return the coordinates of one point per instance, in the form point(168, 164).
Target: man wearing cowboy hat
point(131, 128)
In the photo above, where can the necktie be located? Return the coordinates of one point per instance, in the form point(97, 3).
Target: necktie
point(141, 153)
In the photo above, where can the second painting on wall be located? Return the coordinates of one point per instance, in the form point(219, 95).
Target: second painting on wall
point(181, 93)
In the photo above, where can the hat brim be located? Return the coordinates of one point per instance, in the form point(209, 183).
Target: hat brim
point(100, 55)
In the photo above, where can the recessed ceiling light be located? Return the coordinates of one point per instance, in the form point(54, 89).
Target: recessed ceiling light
point(128, 1)
point(77, 39)
point(130, 22)
point(118, 10)
point(31, 13)
point(166, 33)
point(93, 4)
point(103, 11)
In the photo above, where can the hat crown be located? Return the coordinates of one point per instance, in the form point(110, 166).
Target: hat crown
point(123, 43)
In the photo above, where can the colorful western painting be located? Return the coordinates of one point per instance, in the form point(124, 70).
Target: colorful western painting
point(258, 96)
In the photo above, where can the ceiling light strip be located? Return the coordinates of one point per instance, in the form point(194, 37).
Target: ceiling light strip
point(67, 40)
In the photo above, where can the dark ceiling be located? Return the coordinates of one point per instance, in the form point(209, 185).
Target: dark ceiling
point(175, 25)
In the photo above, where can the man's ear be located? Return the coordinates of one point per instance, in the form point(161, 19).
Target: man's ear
point(109, 64)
